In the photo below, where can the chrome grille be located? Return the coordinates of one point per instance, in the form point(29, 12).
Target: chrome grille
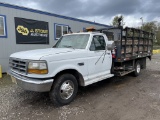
point(18, 65)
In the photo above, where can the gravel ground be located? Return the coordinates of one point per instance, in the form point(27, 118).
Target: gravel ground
point(130, 98)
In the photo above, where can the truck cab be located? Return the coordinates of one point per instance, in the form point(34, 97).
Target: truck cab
point(77, 59)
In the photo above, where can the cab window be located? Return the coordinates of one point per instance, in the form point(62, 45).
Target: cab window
point(98, 43)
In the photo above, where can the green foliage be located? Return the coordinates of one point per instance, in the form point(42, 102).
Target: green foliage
point(115, 20)
point(153, 27)
point(149, 26)
point(158, 37)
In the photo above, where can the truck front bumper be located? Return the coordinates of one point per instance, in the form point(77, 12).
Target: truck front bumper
point(31, 84)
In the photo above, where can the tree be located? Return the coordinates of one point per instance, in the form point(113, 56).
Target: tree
point(158, 37)
point(115, 22)
point(153, 27)
point(149, 26)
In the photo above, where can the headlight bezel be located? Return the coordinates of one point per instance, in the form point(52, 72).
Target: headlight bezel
point(37, 70)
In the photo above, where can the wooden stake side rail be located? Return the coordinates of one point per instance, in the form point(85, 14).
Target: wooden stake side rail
point(133, 43)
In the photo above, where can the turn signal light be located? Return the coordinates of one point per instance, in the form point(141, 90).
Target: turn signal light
point(35, 71)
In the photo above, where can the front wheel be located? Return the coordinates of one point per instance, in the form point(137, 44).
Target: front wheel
point(64, 90)
point(137, 69)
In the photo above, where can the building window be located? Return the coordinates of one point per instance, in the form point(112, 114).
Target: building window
point(3, 26)
point(60, 30)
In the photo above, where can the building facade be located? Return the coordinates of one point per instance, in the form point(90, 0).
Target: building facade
point(26, 29)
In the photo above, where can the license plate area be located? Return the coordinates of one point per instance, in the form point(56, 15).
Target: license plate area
point(13, 79)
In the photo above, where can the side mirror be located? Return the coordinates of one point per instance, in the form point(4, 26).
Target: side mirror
point(110, 45)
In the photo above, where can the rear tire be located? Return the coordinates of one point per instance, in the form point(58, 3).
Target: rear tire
point(137, 69)
point(64, 90)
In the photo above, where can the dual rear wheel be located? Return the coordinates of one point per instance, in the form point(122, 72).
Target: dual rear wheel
point(137, 69)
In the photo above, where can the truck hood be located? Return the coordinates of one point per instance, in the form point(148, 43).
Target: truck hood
point(39, 53)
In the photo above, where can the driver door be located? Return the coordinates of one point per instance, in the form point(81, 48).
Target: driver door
point(100, 59)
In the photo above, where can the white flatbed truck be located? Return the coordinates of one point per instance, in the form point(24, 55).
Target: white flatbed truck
point(80, 59)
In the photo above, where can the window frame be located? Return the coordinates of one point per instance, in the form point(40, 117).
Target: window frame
point(94, 42)
point(61, 25)
point(5, 27)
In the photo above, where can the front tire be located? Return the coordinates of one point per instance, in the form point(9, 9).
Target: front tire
point(137, 69)
point(64, 90)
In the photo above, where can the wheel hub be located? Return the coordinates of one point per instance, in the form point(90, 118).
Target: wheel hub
point(138, 68)
point(66, 89)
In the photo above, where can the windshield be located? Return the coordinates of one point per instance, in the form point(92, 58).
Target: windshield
point(77, 41)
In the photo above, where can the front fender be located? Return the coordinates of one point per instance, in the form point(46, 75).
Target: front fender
point(62, 68)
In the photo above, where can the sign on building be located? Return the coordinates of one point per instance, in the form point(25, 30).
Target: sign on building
point(31, 31)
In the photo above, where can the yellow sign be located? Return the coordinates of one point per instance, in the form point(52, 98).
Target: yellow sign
point(156, 51)
point(22, 30)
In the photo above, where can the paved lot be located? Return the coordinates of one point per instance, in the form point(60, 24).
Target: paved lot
point(131, 98)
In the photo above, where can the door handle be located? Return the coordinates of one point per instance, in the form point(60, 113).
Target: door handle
point(81, 64)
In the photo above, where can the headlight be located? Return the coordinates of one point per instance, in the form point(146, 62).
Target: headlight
point(37, 67)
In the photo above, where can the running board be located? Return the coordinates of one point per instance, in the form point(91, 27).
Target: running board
point(124, 73)
point(97, 79)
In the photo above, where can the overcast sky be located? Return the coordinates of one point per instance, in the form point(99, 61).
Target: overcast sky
point(101, 11)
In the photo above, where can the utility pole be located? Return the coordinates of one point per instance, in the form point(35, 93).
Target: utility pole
point(142, 22)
